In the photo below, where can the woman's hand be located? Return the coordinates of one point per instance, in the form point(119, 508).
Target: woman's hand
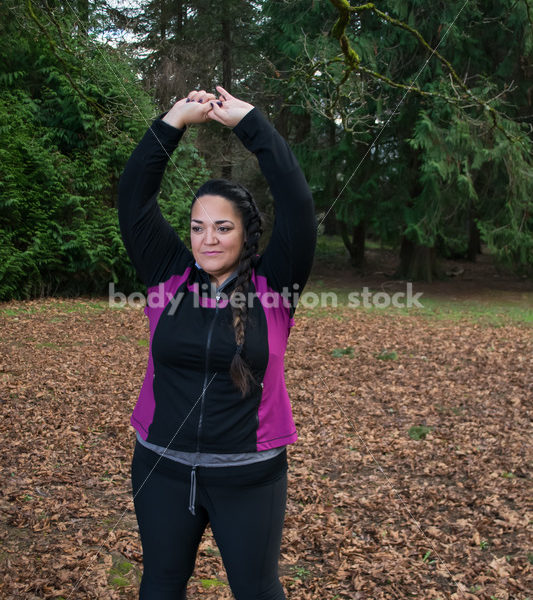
point(192, 109)
point(228, 110)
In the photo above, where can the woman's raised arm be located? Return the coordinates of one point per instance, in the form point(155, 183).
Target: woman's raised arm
point(288, 257)
point(153, 246)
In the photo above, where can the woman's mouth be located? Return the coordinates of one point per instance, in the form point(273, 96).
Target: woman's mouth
point(212, 252)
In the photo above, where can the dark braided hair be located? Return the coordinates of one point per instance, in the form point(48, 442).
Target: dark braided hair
point(245, 205)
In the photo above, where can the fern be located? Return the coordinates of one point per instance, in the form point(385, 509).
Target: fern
point(60, 160)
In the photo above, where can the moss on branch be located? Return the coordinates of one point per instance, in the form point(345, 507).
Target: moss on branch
point(353, 60)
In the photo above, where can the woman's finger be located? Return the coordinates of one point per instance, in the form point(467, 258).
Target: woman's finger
point(200, 96)
point(224, 94)
point(215, 113)
point(205, 99)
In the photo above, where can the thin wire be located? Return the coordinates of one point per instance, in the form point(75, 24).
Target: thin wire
point(192, 192)
point(389, 483)
point(331, 207)
point(140, 488)
point(395, 110)
point(85, 30)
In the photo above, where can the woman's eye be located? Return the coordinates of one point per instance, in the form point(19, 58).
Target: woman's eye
point(200, 229)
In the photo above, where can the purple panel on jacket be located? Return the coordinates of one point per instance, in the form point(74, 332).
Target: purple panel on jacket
point(276, 424)
point(158, 297)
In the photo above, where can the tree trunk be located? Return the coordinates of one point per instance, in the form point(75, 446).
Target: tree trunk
point(226, 80)
point(83, 13)
point(474, 239)
point(417, 262)
point(295, 127)
point(356, 244)
point(358, 237)
point(180, 21)
point(330, 223)
point(163, 22)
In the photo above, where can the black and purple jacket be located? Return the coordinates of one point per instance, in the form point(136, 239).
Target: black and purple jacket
point(188, 401)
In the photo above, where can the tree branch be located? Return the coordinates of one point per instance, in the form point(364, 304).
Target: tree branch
point(353, 61)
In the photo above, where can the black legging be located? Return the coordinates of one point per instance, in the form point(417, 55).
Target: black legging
point(245, 506)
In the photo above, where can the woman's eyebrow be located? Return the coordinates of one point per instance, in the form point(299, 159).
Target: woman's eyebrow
point(215, 222)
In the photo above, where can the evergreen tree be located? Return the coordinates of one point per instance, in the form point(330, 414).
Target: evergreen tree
point(421, 185)
point(196, 44)
point(71, 111)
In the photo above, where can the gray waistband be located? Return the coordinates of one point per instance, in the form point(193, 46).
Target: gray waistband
point(208, 459)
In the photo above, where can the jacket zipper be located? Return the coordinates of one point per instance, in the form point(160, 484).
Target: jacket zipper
point(192, 494)
point(206, 376)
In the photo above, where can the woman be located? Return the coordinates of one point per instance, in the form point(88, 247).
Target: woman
point(213, 417)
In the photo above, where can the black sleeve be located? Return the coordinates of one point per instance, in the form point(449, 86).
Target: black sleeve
point(288, 257)
point(153, 246)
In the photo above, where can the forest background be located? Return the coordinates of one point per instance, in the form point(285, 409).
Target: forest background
point(412, 121)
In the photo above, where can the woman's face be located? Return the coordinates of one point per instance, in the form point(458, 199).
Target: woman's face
point(217, 236)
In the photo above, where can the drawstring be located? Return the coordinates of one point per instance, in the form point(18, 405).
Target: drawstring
point(192, 494)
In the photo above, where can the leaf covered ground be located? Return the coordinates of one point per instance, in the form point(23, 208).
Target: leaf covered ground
point(410, 478)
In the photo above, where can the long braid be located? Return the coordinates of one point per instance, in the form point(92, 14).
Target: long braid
point(239, 370)
point(244, 203)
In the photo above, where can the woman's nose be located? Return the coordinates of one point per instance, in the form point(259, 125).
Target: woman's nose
point(210, 236)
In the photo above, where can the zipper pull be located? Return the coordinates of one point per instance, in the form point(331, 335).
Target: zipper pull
point(217, 298)
point(192, 492)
